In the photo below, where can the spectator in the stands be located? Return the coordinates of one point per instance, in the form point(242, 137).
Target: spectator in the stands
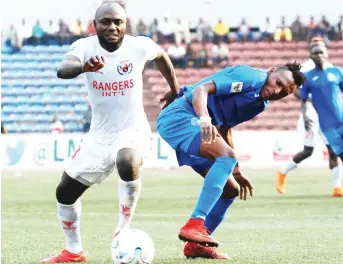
point(310, 26)
point(91, 28)
point(204, 31)
point(3, 129)
point(86, 119)
point(268, 30)
point(340, 28)
point(220, 53)
point(13, 40)
point(50, 32)
point(177, 54)
point(320, 31)
point(181, 31)
point(56, 126)
point(24, 31)
point(197, 55)
point(153, 30)
point(221, 31)
point(78, 29)
point(283, 32)
point(243, 31)
point(37, 34)
point(142, 29)
point(165, 30)
point(128, 30)
point(298, 29)
point(64, 33)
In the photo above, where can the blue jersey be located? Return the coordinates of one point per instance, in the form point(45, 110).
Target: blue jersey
point(237, 97)
point(326, 86)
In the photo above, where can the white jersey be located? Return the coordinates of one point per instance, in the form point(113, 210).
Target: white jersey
point(116, 91)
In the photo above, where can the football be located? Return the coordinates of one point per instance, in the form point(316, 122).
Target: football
point(132, 246)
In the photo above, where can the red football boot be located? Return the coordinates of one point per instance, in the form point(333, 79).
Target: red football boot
point(192, 250)
point(195, 231)
point(65, 257)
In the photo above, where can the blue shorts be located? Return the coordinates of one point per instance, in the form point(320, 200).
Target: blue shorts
point(335, 139)
point(178, 126)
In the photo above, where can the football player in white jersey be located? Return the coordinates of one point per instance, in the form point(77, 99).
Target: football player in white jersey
point(119, 136)
point(308, 124)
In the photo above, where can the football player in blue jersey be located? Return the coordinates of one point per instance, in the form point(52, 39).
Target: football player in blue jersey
point(325, 83)
point(224, 99)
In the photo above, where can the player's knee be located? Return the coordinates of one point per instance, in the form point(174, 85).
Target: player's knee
point(63, 196)
point(308, 151)
point(128, 164)
point(230, 190)
point(228, 152)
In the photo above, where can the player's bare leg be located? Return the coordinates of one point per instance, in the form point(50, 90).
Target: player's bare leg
point(281, 174)
point(224, 162)
point(193, 250)
point(68, 193)
point(128, 164)
point(336, 170)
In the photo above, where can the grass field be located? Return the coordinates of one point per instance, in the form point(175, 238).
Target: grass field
point(303, 226)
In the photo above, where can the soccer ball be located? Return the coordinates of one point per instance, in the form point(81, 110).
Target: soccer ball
point(132, 246)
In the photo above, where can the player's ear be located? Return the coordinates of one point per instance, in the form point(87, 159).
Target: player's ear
point(94, 23)
point(273, 69)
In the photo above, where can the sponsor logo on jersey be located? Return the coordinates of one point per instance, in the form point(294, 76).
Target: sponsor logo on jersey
point(236, 87)
point(113, 88)
point(125, 67)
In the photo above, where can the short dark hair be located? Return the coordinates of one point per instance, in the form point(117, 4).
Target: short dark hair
point(298, 76)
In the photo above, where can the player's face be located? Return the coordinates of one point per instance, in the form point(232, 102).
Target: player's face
point(110, 26)
point(319, 55)
point(279, 85)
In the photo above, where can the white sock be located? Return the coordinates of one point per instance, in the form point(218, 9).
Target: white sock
point(69, 217)
point(337, 176)
point(128, 194)
point(289, 167)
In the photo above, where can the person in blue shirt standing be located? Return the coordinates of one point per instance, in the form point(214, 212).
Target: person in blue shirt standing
point(326, 86)
point(225, 99)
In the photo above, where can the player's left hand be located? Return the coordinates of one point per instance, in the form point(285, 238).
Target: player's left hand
point(244, 184)
point(167, 98)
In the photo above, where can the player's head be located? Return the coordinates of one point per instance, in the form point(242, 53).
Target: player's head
point(110, 23)
point(316, 41)
point(319, 55)
point(282, 81)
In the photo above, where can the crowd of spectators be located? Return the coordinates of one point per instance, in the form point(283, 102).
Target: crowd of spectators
point(180, 34)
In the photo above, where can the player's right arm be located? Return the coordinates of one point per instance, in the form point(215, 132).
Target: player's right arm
point(74, 62)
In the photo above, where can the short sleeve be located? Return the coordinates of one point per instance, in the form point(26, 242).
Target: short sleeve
point(77, 49)
point(150, 47)
point(341, 78)
point(304, 91)
point(237, 79)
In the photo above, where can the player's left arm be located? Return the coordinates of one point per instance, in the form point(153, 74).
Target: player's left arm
point(155, 53)
point(242, 180)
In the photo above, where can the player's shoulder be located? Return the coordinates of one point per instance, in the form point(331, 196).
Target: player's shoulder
point(250, 74)
point(307, 66)
point(138, 41)
point(85, 42)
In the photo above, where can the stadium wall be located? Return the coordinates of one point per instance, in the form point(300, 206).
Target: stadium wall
point(256, 149)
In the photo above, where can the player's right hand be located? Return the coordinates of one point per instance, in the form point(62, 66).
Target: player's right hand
point(208, 132)
point(94, 64)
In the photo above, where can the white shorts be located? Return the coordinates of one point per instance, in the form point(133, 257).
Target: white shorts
point(310, 135)
point(94, 159)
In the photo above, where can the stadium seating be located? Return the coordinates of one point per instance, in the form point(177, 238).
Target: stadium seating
point(31, 93)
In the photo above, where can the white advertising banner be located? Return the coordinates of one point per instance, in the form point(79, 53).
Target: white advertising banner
point(255, 149)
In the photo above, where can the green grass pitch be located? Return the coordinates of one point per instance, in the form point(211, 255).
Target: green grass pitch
point(303, 226)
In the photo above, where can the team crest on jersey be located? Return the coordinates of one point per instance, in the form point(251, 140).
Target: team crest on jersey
point(236, 87)
point(124, 67)
point(331, 77)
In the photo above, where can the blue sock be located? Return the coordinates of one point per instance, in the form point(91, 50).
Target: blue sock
point(213, 186)
point(217, 214)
